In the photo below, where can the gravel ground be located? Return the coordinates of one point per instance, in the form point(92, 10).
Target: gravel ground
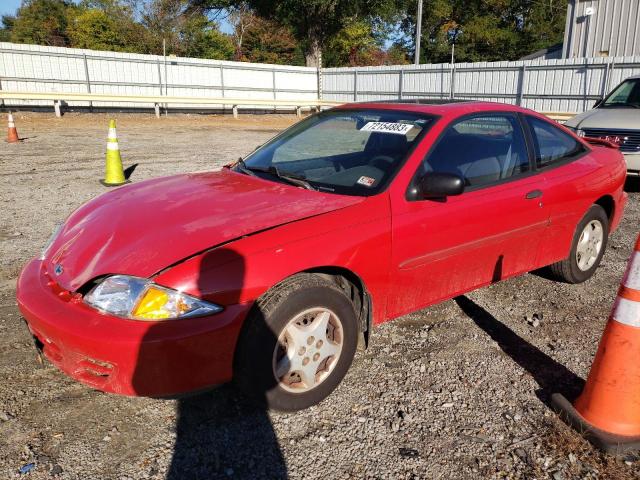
point(460, 390)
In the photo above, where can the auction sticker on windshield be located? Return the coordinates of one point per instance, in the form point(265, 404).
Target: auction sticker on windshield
point(387, 127)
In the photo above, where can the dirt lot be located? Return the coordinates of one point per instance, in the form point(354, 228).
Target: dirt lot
point(459, 390)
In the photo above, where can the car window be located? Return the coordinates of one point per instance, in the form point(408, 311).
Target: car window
point(482, 150)
point(552, 145)
point(336, 136)
point(353, 152)
point(627, 94)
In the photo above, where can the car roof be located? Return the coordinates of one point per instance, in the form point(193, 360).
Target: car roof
point(436, 107)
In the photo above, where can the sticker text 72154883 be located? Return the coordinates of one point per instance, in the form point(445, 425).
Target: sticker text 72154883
point(387, 127)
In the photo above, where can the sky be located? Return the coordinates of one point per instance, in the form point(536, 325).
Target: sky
point(9, 7)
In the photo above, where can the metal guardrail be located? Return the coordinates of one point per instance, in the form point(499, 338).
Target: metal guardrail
point(157, 100)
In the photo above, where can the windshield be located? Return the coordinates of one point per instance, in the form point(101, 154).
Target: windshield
point(627, 94)
point(352, 152)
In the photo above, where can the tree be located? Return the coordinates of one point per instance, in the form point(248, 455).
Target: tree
point(351, 45)
point(265, 41)
point(491, 29)
point(542, 24)
point(241, 17)
point(42, 22)
point(312, 22)
point(7, 26)
point(185, 28)
point(201, 38)
point(108, 25)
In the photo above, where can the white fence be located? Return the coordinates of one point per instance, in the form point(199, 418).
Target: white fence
point(571, 85)
point(33, 68)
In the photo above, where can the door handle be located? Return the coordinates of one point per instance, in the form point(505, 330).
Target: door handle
point(533, 194)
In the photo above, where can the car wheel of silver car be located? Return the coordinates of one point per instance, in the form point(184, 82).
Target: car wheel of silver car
point(297, 343)
point(588, 247)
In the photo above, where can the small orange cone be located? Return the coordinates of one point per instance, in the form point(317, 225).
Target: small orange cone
point(608, 410)
point(12, 135)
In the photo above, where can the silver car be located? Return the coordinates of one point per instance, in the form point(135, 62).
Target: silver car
point(617, 119)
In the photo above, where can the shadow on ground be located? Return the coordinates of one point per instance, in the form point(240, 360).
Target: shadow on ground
point(551, 376)
point(219, 434)
point(632, 184)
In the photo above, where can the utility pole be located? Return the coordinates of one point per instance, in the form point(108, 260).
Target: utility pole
point(416, 59)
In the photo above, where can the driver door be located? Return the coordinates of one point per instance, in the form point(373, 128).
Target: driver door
point(445, 247)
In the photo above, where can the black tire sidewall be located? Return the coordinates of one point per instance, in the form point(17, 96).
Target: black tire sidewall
point(596, 212)
point(257, 377)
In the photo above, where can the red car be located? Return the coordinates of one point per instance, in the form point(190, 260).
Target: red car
point(272, 271)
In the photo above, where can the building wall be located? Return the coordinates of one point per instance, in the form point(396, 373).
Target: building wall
point(612, 30)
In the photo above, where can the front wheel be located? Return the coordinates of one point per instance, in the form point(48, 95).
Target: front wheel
point(588, 247)
point(297, 344)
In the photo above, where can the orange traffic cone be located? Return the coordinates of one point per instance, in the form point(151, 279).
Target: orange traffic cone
point(12, 135)
point(608, 410)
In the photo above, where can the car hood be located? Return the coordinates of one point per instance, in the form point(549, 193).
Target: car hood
point(609, 118)
point(143, 228)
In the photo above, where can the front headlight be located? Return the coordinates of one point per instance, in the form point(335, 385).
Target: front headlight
point(141, 299)
point(578, 131)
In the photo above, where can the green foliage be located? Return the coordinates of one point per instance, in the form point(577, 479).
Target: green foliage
point(492, 30)
point(201, 38)
point(186, 30)
point(97, 30)
point(266, 41)
point(5, 29)
point(345, 32)
point(42, 22)
point(315, 22)
point(351, 45)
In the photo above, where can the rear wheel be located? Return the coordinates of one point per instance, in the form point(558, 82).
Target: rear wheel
point(588, 247)
point(297, 344)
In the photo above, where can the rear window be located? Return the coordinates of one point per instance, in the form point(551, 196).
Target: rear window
point(552, 145)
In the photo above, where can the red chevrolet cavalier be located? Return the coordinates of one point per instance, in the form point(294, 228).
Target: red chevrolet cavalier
point(271, 271)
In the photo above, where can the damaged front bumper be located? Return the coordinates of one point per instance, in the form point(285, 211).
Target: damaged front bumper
point(123, 356)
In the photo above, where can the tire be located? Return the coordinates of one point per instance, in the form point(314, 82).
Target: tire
point(273, 330)
point(570, 269)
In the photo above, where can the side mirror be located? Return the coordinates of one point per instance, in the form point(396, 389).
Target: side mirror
point(438, 185)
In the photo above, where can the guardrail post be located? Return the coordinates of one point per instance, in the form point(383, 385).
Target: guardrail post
point(355, 85)
point(56, 107)
point(400, 83)
point(156, 107)
point(235, 111)
point(86, 77)
point(523, 72)
point(298, 112)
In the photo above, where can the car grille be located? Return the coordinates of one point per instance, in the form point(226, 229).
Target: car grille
point(629, 139)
